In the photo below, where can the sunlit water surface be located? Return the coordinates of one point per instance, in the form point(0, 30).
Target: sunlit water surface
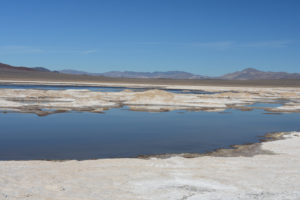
point(124, 133)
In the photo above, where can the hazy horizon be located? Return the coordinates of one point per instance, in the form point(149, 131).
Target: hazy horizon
point(124, 70)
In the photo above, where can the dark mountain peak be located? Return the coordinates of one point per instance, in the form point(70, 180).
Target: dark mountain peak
point(254, 74)
point(72, 71)
point(7, 67)
point(43, 69)
point(249, 70)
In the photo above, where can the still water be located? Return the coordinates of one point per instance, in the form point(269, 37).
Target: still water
point(124, 133)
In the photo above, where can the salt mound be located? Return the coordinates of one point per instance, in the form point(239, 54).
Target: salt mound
point(153, 95)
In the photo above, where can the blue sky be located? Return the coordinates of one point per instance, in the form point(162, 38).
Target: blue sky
point(206, 37)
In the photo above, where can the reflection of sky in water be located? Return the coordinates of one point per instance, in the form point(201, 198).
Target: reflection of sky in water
point(122, 133)
point(265, 105)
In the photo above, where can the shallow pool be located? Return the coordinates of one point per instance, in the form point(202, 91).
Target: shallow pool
point(123, 133)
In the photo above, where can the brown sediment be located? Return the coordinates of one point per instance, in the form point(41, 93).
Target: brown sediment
point(53, 77)
point(244, 150)
point(141, 109)
point(272, 113)
point(243, 108)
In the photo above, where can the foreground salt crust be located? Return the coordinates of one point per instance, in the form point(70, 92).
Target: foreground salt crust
point(262, 176)
point(44, 102)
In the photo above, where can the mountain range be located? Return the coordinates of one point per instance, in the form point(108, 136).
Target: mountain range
point(254, 74)
point(132, 74)
point(246, 74)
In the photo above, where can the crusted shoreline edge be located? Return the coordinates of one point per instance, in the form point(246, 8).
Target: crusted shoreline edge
point(259, 177)
point(235, 150)
point(240, 150)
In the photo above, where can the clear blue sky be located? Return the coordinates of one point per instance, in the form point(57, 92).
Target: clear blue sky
point(206, 37)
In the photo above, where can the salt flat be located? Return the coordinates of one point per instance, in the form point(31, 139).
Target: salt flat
point(219, 99)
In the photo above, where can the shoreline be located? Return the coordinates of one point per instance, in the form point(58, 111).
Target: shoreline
point(206, 177)
point(234, 150)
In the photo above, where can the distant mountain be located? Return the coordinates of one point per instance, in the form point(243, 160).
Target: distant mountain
point(42, 69)
point(6, 67)
point(132, 74)
point(246, 74)
point(254, 74)
point(167, 74)
point(71, 71)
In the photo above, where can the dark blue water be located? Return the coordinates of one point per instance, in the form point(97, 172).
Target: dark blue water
point(123, 133)
point(96, 88)
point(265, 105)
